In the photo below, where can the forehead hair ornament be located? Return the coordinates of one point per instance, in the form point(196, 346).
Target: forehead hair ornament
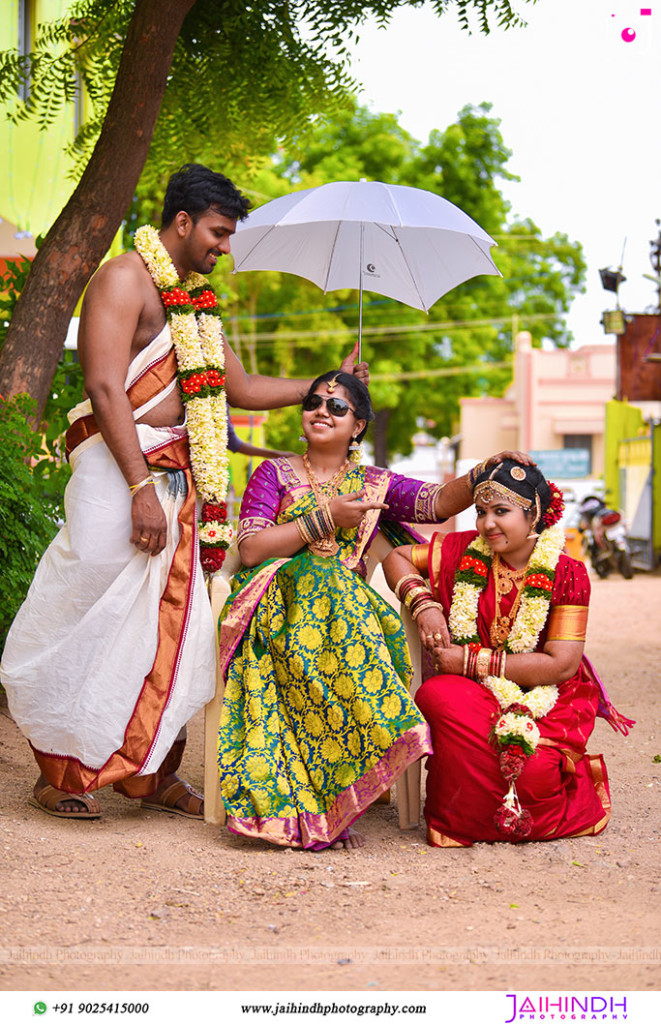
point(332, 384)
point(491, 490)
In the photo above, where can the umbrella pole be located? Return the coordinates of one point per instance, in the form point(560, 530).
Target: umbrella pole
point(360, 295)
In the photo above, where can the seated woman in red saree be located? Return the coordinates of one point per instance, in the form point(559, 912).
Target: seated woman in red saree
point(514, 703)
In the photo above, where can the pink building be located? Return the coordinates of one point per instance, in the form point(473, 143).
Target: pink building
point(556, 401)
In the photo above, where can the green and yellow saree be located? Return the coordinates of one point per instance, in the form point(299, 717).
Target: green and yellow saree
point(317, 720)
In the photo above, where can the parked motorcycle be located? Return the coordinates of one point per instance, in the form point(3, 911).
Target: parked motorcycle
point(605, 538)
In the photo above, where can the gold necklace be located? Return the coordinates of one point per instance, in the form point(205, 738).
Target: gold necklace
point(505, 577)
point(324, 493)
point(504, 580)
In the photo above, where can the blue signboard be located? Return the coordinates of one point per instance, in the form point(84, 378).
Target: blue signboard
point(563, 463)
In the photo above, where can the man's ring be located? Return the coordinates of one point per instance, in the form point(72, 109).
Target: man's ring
point(437, 636)
point(143, 539)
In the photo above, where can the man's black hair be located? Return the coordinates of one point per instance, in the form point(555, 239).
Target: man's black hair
point(196, 189)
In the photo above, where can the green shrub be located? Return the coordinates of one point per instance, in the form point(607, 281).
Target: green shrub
point(27, 520)
point(50, 474)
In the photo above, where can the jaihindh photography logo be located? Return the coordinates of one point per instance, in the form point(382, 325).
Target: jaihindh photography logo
point(555, 1007)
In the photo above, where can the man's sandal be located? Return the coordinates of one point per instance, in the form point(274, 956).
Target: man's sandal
point(48, 798)
point(172, 795)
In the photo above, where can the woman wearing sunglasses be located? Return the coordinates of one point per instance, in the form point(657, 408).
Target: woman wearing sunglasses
point(317, 720)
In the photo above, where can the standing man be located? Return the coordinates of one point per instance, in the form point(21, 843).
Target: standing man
point(113, 650)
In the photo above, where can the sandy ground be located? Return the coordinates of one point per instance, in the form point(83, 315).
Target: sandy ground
point(237, 915)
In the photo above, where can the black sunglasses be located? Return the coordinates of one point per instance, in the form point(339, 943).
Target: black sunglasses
point(335, 406)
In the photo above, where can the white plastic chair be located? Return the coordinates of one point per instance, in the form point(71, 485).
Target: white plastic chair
point(407, 786)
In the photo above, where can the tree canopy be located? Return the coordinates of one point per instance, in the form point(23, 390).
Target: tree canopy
point(223, 74)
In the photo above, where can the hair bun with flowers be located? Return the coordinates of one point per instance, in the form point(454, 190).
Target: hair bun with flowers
point(556, 507)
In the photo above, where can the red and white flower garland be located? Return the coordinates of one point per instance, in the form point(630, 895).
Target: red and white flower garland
point(197, 334)
point(515, 733)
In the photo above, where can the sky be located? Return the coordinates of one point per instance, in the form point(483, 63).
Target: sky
point(579, 109)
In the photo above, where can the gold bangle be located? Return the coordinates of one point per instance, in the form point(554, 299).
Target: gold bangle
point(300, 526)
point(406, 579)
point(416, 592)
point(134, 488)
point(422, 607)
point(482, 664)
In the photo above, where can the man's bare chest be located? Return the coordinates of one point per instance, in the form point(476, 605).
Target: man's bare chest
point(150, 325)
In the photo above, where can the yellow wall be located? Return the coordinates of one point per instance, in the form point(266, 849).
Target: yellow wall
point(623, 421)
point(33, 167)
point(35, 171)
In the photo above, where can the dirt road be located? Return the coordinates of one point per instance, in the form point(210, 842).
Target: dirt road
point(237, 915)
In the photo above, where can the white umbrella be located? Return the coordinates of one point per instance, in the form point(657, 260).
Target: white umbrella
point(403, 242)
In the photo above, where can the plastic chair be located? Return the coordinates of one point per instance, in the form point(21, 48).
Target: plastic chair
point(407, 786)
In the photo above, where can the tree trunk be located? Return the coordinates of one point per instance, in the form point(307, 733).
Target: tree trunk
point(381, 421)
point(83, 232)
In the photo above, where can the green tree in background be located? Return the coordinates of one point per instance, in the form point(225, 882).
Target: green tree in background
point(49, 470)
point(221, 73)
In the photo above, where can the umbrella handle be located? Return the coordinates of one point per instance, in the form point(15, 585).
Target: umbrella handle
point(360, 293)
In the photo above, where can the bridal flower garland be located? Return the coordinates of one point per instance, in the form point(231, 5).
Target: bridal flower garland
point(197, 334)
point(515, 733)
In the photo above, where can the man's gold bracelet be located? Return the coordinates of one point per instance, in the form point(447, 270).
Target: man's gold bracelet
point(134, 488)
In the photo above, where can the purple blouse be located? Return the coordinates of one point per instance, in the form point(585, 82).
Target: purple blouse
point(409, 501)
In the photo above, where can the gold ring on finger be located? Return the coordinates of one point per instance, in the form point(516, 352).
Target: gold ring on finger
point(428, 636)
point(437, 636)
point(143, 540)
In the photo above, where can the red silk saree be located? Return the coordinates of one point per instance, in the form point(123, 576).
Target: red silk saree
point(564, 788)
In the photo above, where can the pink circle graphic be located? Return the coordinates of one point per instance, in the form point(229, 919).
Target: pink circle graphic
point(628, 35)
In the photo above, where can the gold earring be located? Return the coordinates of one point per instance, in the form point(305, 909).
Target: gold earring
point(356, 451)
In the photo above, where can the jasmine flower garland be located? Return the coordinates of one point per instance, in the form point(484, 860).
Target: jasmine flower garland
point(197, 334)
point(515, 733)
point(471, 579)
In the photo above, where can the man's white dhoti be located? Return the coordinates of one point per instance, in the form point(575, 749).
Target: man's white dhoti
point(113, 650)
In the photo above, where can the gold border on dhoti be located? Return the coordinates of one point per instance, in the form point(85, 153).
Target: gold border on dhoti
point(148, 385)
